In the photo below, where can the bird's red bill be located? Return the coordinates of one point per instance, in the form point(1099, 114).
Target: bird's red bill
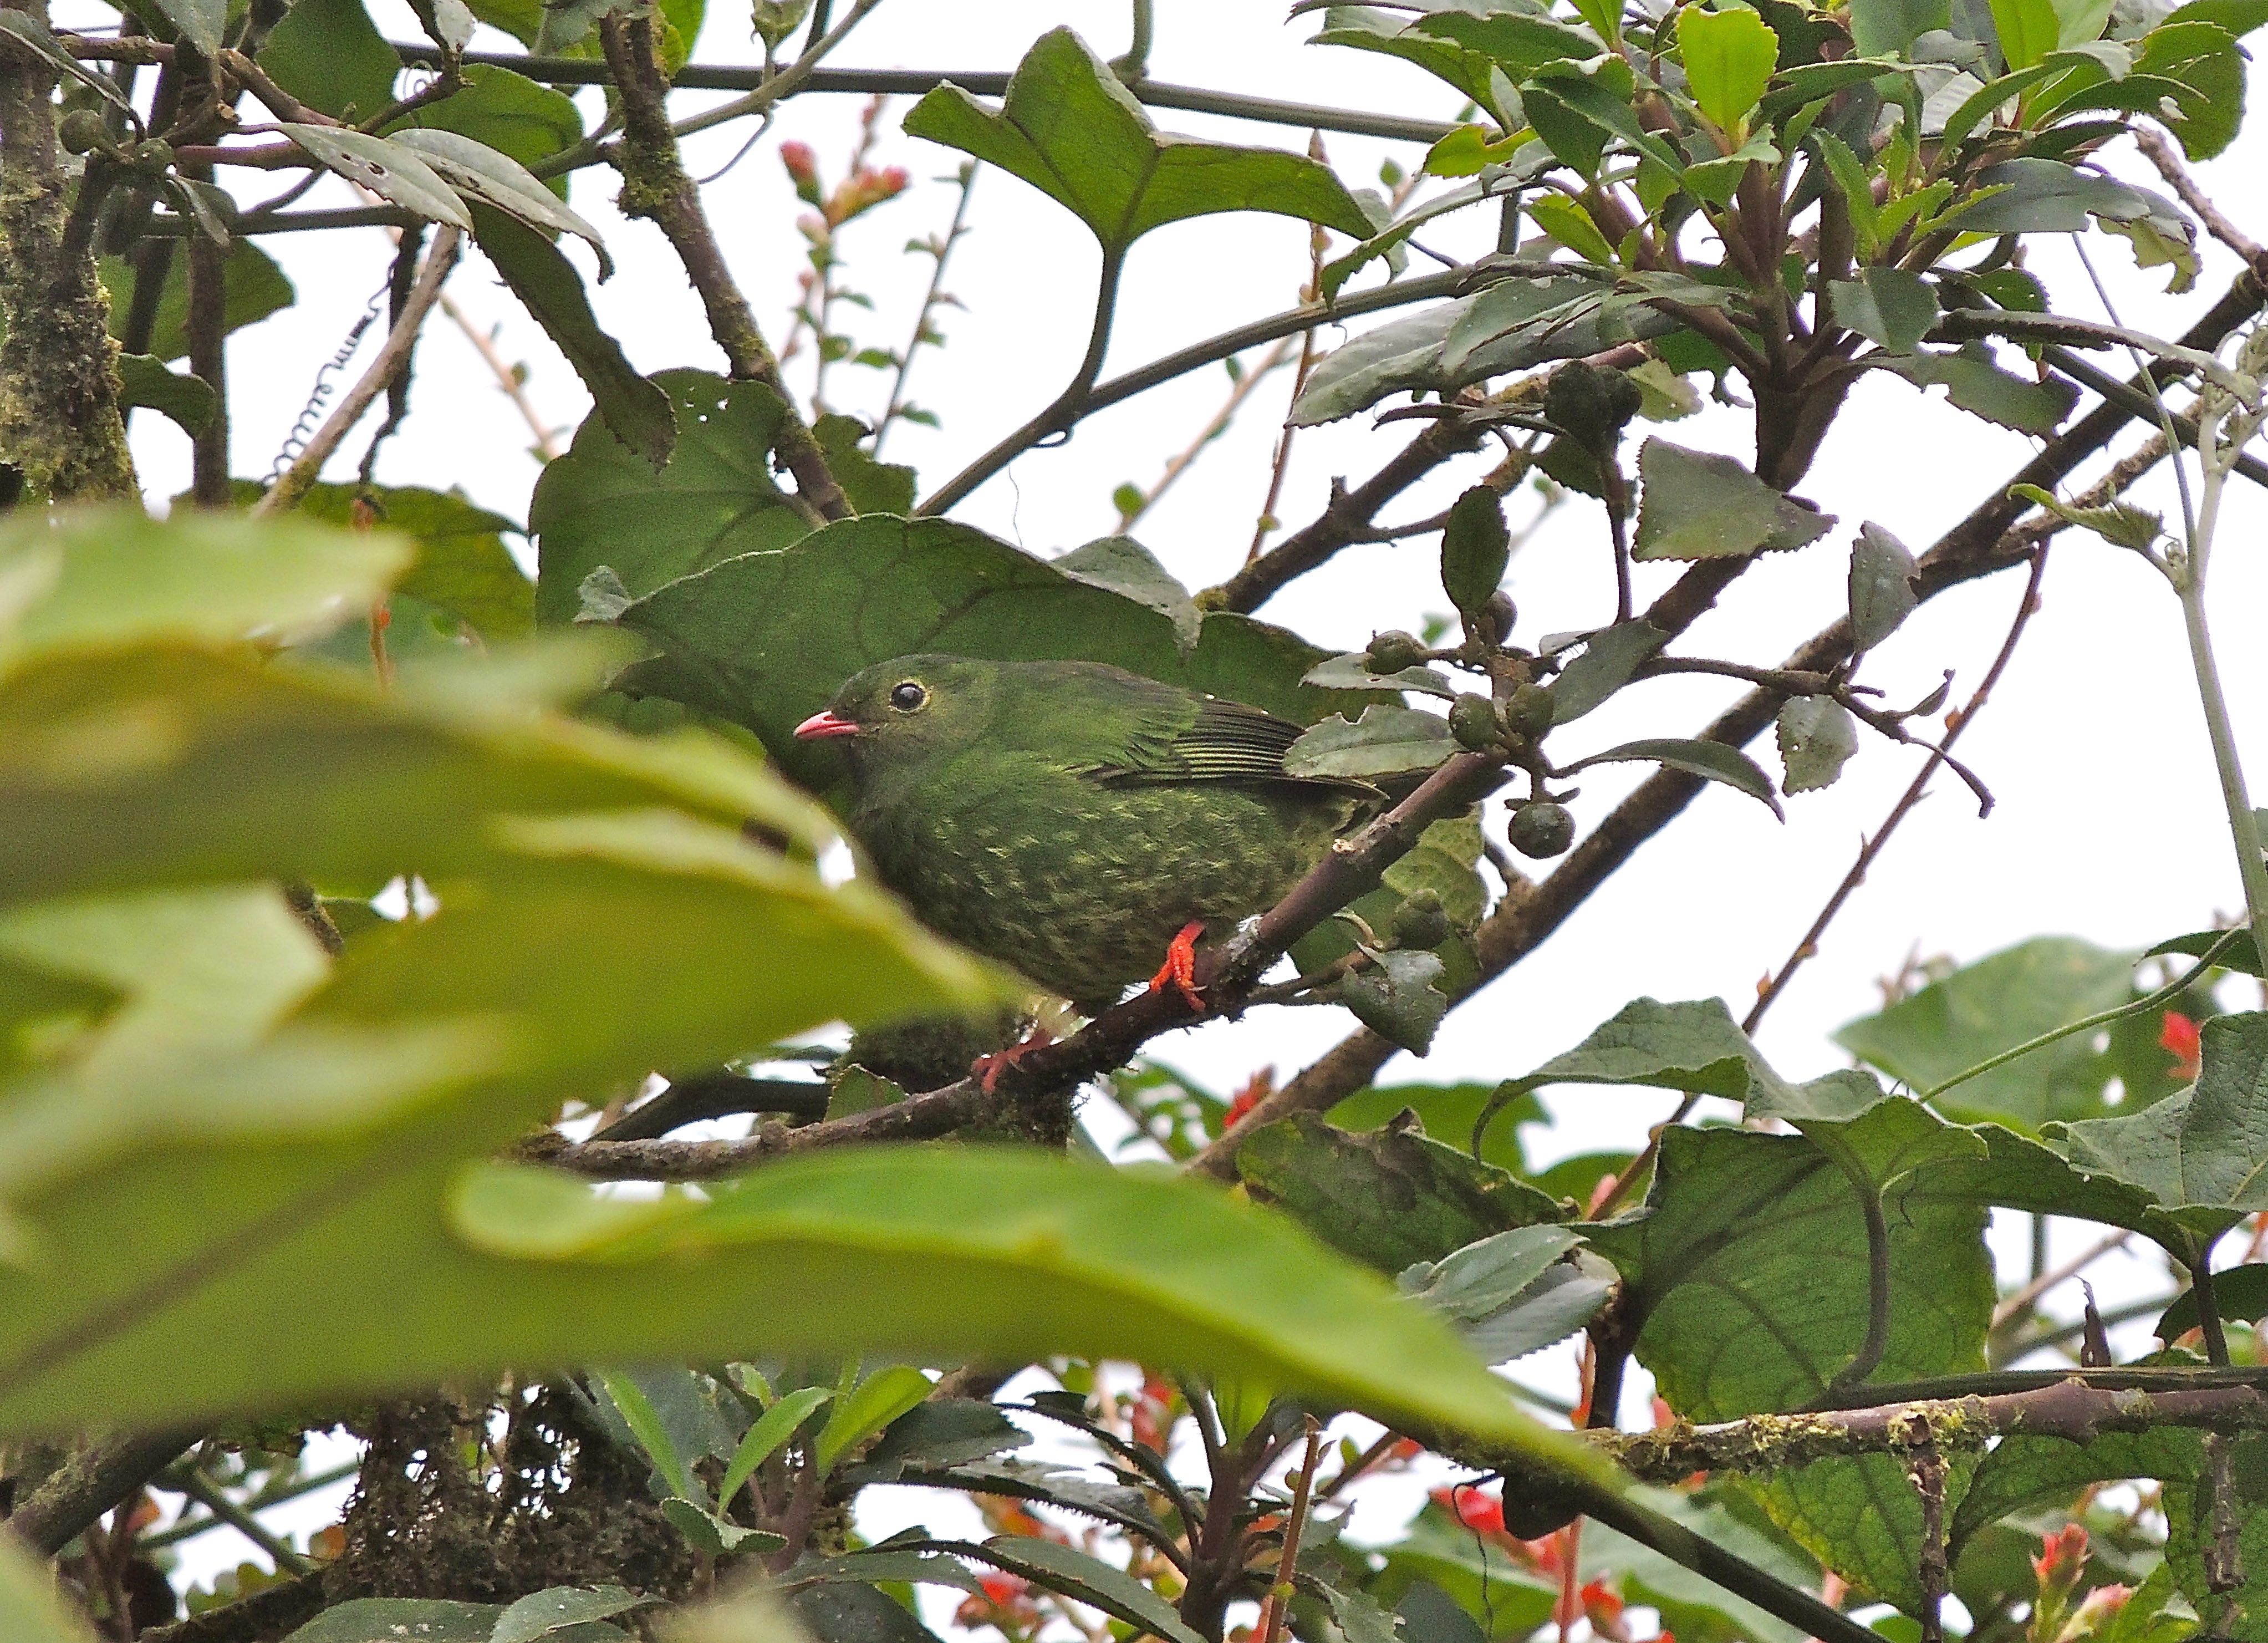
point(824, 724)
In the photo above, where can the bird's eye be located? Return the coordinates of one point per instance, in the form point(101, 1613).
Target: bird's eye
point(908, 697)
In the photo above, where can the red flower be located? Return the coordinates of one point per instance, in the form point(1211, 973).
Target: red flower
point(2062, 1554)
point(802, 169)
point(1256, 1088)
point(1151, 1419)
point(2179, 1039)
point(1478, 1511)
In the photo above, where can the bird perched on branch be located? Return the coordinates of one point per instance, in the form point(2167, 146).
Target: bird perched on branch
point(1072, 820)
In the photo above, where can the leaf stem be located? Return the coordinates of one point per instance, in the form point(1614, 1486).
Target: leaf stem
point(2101, 1018)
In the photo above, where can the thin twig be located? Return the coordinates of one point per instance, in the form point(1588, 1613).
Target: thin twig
point(1239, 390)
point(2022, 1302)
point(292, 484)
point(1280, 1595)
point(894, 409)
point(508, 379)
point(1311, 292)
point(209, 1495)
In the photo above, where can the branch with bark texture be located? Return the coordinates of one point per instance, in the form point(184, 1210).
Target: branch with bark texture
point(1985, 542)
point(657, 186)
point(1228, 975)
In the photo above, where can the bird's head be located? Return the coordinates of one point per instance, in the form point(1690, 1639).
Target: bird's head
point(906, 706)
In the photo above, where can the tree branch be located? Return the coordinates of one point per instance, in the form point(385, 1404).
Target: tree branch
point(655, 186)
point(1227, 975)
point(293, 484)
point(1985, 542)
point(90, 1484)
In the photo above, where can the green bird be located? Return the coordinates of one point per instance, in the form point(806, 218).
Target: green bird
point(1072, 820)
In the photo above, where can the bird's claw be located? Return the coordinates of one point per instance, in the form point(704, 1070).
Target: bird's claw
point(987, 1069)
point(1180, 970)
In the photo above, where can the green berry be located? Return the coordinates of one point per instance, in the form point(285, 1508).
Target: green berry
point(1393, 650)
point(81, 131)
point(1527, 710)
point(1420, 922)
point(1541, 829)
point(1472, 721)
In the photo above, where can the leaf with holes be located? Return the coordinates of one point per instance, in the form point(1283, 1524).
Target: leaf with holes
point(386, 168)
point(1817, 737)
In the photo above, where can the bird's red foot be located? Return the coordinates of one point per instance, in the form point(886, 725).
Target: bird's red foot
point(1180, 970)
point(988, 1068)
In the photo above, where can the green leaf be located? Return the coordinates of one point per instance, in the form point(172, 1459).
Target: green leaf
point(877, 1401)
point(462, 566)
point(1729, 58)
point(1994, 1005)
point(936, 1435)
point(30, 1611)
point(1882, 584)
point(1387, 1197)
point(2121, 524)
point(764, 638)
point(872, 487)
point(1385, 741)
point(1974, 383)
point(766, 1434)
point(1450, 1110)
point(388, 1619)
point(2022, 1472)
point(1519, 42)
point(1692, 1605)
point(31, 33)
point(1692, 1046)
point(1712, 761)
point(1474, 74)
point(718, 1536)
point(2240, 1293)
point(1515, 1292)
point(1888, 27)
point(2031, 196)
point(1747, 1273)
point(849, 1613)
point(1607, 663)
point(1086, 1578)
point(385, 167)
point(1475, 547)
point(1699, 505)
point(255, 288)
point(2203, 1154)
point(1511, 325)
point(1817, 737)
point(330, 56)
point(103, 580)
point(1350, 671)
point(646, 1426)
point(639, 414)
point(1569, 224)
point(200, 22)
point(481, 172)
point(144, 382)
point(1888, 306)
point(1070, 128)
point(1397, 997)
point(511, 113)
point(541, 1614)
point(603, 503)
point(2029, 30)
point(995, 1253)
point(1123, 566)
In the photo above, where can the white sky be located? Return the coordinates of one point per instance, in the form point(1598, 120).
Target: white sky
point(2109, 823)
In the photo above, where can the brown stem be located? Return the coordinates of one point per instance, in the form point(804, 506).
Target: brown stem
point(656, 186)
point(60, 425)
point(1280, 1595)
point(1927, 1470)
point(269, 1612)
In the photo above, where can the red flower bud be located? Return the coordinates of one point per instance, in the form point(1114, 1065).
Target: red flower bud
point(2179, 1039)
point(802, 169)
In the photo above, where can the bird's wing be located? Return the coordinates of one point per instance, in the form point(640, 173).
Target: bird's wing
point(1220, 741)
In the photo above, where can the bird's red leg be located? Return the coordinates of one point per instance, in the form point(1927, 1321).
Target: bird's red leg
point(1180, 970)
point(988, 1068)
